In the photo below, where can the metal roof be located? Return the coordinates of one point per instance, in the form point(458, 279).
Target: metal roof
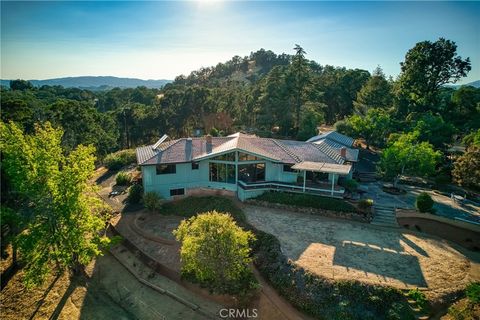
point(194, 149)
point(342, 169)
point(335, 136)
point(351, 153)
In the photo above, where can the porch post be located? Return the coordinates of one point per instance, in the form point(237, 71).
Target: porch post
point(304, 179)
point(333, 182)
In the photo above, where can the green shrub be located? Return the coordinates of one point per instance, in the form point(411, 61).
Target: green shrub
point(351, 185)
point(123, 178)
point(135, 193)
point(152, 201)
point(215, 252)
point(418, 297)
point(119, 159)
point(306, 200)
point(473, 292)
point(424, 202)
point(365, 204)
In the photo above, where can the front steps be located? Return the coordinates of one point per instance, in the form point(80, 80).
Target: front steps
point(384, 216)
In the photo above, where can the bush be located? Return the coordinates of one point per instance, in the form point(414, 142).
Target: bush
point(351, 185)
point(152, 201)
point(119, 159)
point(123, 178)
point(473, 292)
point(365, 204)
point(424, 202)
point(419, 298)
point(215, 253)
point(135, 193)
point(306, 200)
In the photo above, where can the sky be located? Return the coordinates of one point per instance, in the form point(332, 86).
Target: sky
point(161, 40)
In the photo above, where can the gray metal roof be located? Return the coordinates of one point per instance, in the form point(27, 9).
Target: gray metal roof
point(351, 153)
point(194, 149)
point(335, 136)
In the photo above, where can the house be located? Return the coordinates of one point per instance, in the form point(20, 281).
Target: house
point(340, 142)
point(243, 165)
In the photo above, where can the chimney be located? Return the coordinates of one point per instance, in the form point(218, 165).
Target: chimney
point(343, 152)
point(208, 138)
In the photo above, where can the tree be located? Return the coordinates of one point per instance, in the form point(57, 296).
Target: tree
point(310, 119)
point(427, 67)
point(215, 252)
point(406, 155)
point(375, 93)
point(374, 127)
point(20, 85)
point(66, 219)
point(433, 129)
point(466, 170)
point(299, 70)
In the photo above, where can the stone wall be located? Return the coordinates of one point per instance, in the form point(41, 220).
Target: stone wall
point(463, 233)
point(355, 216)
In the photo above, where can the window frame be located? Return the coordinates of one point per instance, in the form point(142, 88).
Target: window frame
point(166, 170)
point(175, 192)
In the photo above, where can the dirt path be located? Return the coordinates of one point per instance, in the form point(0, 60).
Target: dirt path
point(348, 250)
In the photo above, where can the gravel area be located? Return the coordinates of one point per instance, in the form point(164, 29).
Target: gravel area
point(340, 249)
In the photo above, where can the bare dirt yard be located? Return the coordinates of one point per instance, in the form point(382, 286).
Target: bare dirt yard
point(340, 249)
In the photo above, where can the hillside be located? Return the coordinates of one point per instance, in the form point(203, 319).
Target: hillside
point(97, 83)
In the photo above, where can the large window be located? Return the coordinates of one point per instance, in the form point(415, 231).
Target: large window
point(166, 168)
point(247, 157)
point(222, 172)
point(251, 172)
point(225, 157)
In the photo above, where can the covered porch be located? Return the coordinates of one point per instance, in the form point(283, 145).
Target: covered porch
point(330, 170)
point(325, 186)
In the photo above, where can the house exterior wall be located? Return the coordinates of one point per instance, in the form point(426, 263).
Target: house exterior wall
point(189, 179)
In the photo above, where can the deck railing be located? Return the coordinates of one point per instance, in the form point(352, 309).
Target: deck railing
point(290, 187)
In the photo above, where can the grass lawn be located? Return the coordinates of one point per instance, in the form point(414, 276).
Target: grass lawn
point(306, 200)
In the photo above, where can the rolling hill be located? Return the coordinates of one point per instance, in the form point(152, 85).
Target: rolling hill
point(96, 83)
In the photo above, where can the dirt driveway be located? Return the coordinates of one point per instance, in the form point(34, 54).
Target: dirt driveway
point(340, 249)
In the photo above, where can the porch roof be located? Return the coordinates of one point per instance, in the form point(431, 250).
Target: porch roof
point(342, 169)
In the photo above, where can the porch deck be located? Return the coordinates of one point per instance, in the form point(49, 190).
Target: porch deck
point(318, 188)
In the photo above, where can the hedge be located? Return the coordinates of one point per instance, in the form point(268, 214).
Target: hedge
point(119, 159)
point(306, 200)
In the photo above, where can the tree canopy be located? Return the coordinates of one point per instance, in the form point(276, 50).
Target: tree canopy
point(65, 218)
point(215, 252)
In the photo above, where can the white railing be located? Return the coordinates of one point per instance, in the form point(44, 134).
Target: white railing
point(288, 187)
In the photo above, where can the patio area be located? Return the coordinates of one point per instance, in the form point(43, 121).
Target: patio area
point(444, 205)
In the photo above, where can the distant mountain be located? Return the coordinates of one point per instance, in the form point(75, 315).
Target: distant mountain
point(96, 83)
point(475, 84)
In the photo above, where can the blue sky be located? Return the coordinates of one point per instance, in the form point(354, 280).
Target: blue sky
point(160, 40)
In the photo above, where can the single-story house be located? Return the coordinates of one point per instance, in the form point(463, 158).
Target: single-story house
point(244, 165)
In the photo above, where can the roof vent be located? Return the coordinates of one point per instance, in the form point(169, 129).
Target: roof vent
point(159, 142)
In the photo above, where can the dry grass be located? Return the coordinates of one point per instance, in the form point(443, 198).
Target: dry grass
point(347, 250)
